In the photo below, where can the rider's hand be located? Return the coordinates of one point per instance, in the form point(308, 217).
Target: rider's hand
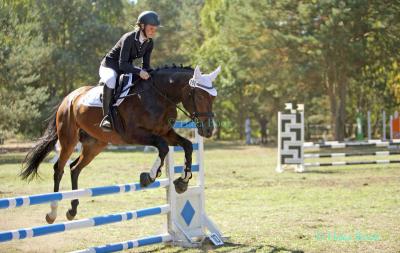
point(144, 75)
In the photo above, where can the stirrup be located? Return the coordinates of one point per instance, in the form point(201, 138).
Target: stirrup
point(105, 124)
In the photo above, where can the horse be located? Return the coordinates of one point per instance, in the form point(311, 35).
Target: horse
point(146, 116)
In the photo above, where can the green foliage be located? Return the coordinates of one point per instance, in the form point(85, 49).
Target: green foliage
point(48, 49)
point(80, 33)
point(21, 94)
point(178, 37)
point(331, 55)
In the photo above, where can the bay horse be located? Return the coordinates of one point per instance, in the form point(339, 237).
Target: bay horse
point(147, 118)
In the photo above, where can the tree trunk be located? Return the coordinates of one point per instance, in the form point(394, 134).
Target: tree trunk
point(241, 107)
point(330, 87)
point(263, 122)
point(341, 77)
point(336, 84)
point(218, 133)
point(341, 117)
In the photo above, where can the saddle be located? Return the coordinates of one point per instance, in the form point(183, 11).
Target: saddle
point(121, 86)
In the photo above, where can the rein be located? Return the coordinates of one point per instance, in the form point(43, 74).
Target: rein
point(133, 94)
point(192, 116)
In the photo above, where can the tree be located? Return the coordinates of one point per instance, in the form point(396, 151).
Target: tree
point(80, 33)
point(21, 56)
point(334, 40)
point(178, 37)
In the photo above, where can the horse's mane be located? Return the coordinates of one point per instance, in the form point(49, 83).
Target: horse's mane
point(173, 68)
point(170, 70)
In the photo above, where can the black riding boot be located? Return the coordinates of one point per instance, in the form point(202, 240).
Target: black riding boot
point(106, 122)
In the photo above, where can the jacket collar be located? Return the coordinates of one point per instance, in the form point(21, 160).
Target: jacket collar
point(137, 36)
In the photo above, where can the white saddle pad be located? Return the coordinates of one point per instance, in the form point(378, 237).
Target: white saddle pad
point(92, 97)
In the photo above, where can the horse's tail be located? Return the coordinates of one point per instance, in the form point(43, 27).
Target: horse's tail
point(42, 148)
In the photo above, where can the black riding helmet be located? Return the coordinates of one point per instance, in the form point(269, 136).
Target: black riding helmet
point(149, 18)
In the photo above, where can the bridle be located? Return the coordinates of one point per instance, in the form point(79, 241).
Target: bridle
point(194, 117)
point(192, 94)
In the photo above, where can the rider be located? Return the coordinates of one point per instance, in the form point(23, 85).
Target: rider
point(132, 45)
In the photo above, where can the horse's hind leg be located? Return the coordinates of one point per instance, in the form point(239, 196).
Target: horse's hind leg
point(68, 144)
point(90, 149)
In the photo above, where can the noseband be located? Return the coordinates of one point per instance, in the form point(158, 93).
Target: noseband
point(196, 114)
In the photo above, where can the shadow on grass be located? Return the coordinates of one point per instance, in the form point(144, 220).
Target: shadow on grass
point(321, 172)
point(229, 247)
point(236, 247)
point(275, 249)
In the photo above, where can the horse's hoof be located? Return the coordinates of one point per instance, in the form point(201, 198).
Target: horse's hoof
point(69, 215)
point(145, 179)
point(180, 185)
point(49, 219)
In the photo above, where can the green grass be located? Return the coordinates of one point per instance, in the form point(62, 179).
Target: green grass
point(260, 210)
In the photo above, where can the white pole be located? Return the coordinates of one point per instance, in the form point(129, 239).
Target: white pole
point(279, 168)
point(300, 167)
point(200, 178)
point(171, 194)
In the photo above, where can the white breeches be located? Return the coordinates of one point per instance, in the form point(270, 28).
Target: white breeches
point(108, 76)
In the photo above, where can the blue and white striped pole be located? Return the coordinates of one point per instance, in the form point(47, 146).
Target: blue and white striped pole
point(75, 194)
point(25, 233)
point(114, 247)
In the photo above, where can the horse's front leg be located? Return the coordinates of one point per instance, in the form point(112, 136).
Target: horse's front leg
point(147, 178)
point(174, 139)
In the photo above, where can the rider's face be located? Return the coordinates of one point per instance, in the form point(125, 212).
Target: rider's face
point(150, 30)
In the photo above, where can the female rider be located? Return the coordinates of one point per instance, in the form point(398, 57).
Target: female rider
point(132, 45)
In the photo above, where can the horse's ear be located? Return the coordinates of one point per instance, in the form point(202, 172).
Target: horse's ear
point(215, 73)
point(197, 73)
